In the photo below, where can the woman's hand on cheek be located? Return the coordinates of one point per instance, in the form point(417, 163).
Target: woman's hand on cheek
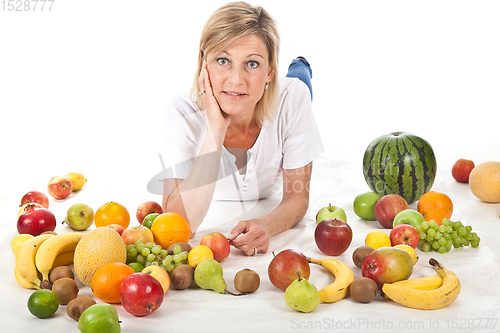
point(249, 235)
point(216, 117)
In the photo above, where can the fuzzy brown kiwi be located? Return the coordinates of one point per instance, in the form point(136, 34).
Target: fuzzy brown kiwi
point(76, 306)
point(363, 289)
point(182, 277)
point(246, 281)
point(184, 247)
point(65, 289)
point(359, 255)
point(61, 272)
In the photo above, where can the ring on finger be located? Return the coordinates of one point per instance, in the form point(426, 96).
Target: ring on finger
point(254, 251)
point(202, 92)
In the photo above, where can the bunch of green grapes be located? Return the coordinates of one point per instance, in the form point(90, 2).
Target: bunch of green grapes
point(150, 254)
point(442, 238)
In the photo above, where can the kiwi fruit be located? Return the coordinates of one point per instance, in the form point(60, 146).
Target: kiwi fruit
point(182, 277)
point(184, 247)
point(65, 289)
point(61, 272)
point(363, 289)
point(359, 255)
point(246, 281)
point(77, 305)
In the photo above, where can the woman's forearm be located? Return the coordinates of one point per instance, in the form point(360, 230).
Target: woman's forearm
point(192, 196)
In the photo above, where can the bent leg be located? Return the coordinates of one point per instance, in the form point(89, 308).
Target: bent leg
point(301, 69)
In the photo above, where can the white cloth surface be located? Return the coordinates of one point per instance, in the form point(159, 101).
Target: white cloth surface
point(291, 140)
point(337, 179)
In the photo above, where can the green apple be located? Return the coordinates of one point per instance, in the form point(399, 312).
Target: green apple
point(149, 219)
point(331, 212)
point(79, 216)
point(101, 317)
point(408, 216)
point(364, 205)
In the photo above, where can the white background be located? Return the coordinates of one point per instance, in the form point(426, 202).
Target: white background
point(83, 87)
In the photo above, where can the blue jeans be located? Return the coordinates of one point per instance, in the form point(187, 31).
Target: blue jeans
point(301, 69)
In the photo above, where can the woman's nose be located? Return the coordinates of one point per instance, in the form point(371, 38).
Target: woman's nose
point(236, 75)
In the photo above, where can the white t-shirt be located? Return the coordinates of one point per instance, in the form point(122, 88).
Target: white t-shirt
point(290, 141)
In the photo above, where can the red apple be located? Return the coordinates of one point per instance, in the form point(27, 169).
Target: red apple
point(147, 208)
point(35, 196)
point(333, 236)
point(132, 234)
point(387, 265)
point(141, 294)
point(388, 207)
point(404, 234)
point(35, 221)
point(284, 267)
point(461, 170)
point(219, 245)
point(60, 187)
point(116, 227)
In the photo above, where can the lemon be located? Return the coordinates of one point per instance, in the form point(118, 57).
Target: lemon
point(77, 179)
point(410, 250)
point(377, 239)
point(198, 254)
point(43, 303)
point(16, 243)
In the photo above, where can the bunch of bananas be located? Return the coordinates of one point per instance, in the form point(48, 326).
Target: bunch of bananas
point(344, 276)
point(427, 293)
point(39, 255)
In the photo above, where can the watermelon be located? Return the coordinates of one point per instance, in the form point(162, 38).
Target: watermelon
point(400, 163)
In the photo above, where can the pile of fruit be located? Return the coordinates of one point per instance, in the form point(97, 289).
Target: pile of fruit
point(137, 265)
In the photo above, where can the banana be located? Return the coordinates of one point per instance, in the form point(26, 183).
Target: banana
point(426, 299)
point(23, 282)
point(25, 258)
point(423, 283)
point(52, 248)
point(344, 276)
point(63, 259)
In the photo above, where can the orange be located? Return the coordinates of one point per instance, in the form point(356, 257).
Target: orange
point(484, 181)
point(170, 228)
point(97, 248)
point(107, 279)
point(112, 213)
point(436, 206)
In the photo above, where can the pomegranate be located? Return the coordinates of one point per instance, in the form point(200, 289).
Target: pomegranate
point(141, 294)
point(35, 221)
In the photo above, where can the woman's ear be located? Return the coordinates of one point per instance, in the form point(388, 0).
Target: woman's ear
point(270, 75)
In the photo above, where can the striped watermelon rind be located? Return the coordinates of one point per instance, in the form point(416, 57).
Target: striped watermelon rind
point(400, 163)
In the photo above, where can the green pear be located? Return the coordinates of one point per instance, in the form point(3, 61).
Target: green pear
point(301, 295)
point(208, 275)
point(79, 216)
point(99, 318)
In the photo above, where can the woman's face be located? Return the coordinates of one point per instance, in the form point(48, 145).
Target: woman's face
point(239, 74)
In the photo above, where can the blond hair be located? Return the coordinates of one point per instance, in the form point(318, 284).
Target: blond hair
point(230, 22)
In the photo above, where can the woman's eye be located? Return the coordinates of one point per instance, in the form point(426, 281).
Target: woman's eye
point(253, 64)
point(222, 61)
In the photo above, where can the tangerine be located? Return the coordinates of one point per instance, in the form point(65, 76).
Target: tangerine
point(112, 213)
point(170, 228)
point(106, 282)
point(484, 181)
point(436, 206)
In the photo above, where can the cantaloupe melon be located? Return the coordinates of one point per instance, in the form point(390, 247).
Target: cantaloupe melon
point(95, 249)
point(484, 181)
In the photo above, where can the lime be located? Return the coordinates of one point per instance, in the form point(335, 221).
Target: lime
point(43, 303)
